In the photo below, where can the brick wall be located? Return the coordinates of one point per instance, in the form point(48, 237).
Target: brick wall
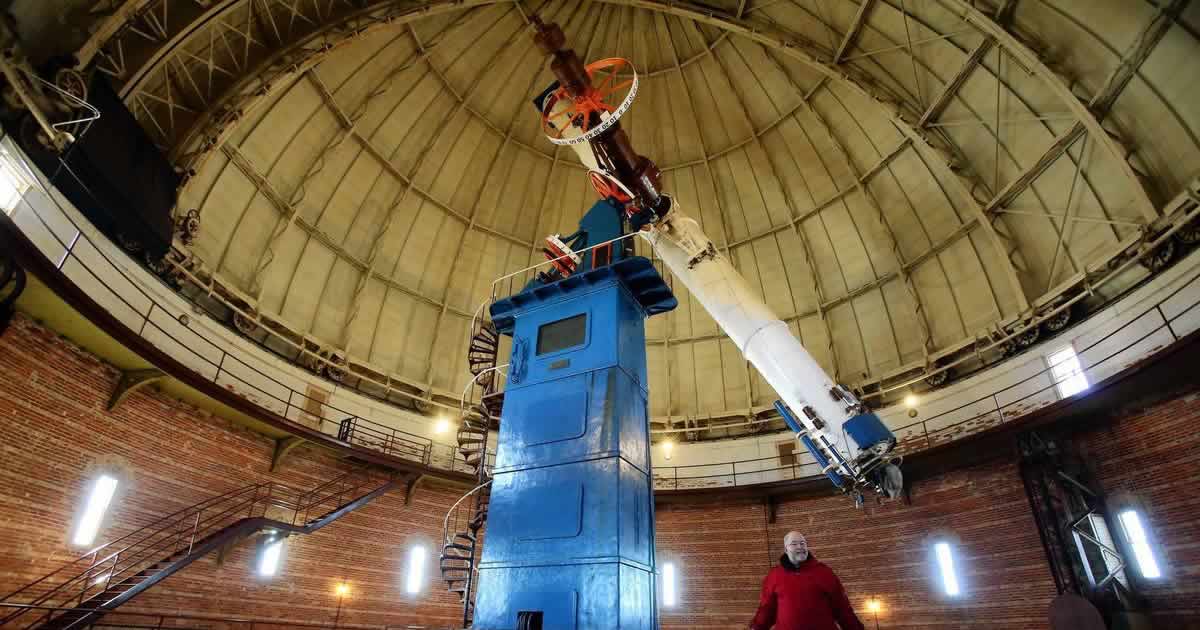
point(1150, 458)
point(55, 434)
point(881, 551)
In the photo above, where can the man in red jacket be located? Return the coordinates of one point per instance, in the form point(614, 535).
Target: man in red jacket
point(803, 594)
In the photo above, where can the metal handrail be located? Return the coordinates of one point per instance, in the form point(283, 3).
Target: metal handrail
point(462, 402)
point(549, 261)
point(446, 521)
point(423, 445)
point(165, 537)
point(420, 444)
point(160, 620)
point(674, 479)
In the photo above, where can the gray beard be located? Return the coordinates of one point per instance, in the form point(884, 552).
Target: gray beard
point(797, 558)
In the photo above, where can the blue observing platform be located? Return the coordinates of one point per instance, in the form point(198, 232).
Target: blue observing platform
point(570, 538)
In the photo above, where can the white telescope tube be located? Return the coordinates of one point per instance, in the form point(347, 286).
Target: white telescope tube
point(762, 337)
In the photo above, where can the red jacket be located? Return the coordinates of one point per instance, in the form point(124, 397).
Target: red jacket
point(807, 596)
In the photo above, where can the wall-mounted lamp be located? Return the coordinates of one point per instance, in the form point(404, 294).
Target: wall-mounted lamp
point(341, 590)
point(874, 606)
point(668, 447)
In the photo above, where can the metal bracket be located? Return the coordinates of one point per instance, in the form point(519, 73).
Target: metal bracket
point(283, 446)
point(411, 486)
point(131, 381)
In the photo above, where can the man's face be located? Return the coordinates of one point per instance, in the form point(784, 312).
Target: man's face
point(796, 547)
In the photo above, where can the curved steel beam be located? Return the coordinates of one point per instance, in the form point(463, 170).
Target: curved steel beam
point(214, 121)
point(896, 109)
point(1089, 114)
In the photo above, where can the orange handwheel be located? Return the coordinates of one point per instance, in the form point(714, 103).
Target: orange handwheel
point(606, 187)
point(608, 96)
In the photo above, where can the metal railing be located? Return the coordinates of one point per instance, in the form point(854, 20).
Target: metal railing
point(365, 433)
point(979, 414)
point(151, 620)
point(510, 283)
point(155, 322)
point(106, 572)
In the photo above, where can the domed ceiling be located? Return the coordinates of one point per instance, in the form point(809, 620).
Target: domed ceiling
point(897, 177)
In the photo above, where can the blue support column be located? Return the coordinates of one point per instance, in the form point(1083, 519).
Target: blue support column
point(570, 536)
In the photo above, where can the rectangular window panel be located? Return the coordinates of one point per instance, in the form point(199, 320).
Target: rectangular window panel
point(1068, 374)
point(416, 569)
point(93, 513)
point(12, 184)
point(562, 334)
point(1139, 542)
point(668, 577)
point(945, 560)
point(268, 561)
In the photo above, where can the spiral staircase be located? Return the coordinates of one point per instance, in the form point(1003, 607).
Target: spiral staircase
point(463, 527)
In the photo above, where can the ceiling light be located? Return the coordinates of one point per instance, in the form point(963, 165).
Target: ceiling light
point(910, 401)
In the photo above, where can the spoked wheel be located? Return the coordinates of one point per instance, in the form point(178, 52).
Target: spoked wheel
point(72, 82)
point(607, 186)
point(593, 112)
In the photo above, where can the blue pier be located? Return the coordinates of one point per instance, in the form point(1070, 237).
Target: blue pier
point(570, 538)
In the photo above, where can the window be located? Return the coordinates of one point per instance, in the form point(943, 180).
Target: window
point(268, 556)
point(1139, 542)
point(562, 334)
point(98, 499)
point(416, 569)
point(12, 184)
point(1068, 375)
point(945, 561)
point(668, 584)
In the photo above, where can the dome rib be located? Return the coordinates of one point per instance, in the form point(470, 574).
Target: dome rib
point(846, 160)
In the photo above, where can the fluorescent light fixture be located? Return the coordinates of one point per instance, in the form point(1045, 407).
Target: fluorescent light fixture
point(93, 515)
point(1136, 534)
point(416, 569)
point(668, 584)
point(268, 559)
point(1068, 375)
point(945, 560)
